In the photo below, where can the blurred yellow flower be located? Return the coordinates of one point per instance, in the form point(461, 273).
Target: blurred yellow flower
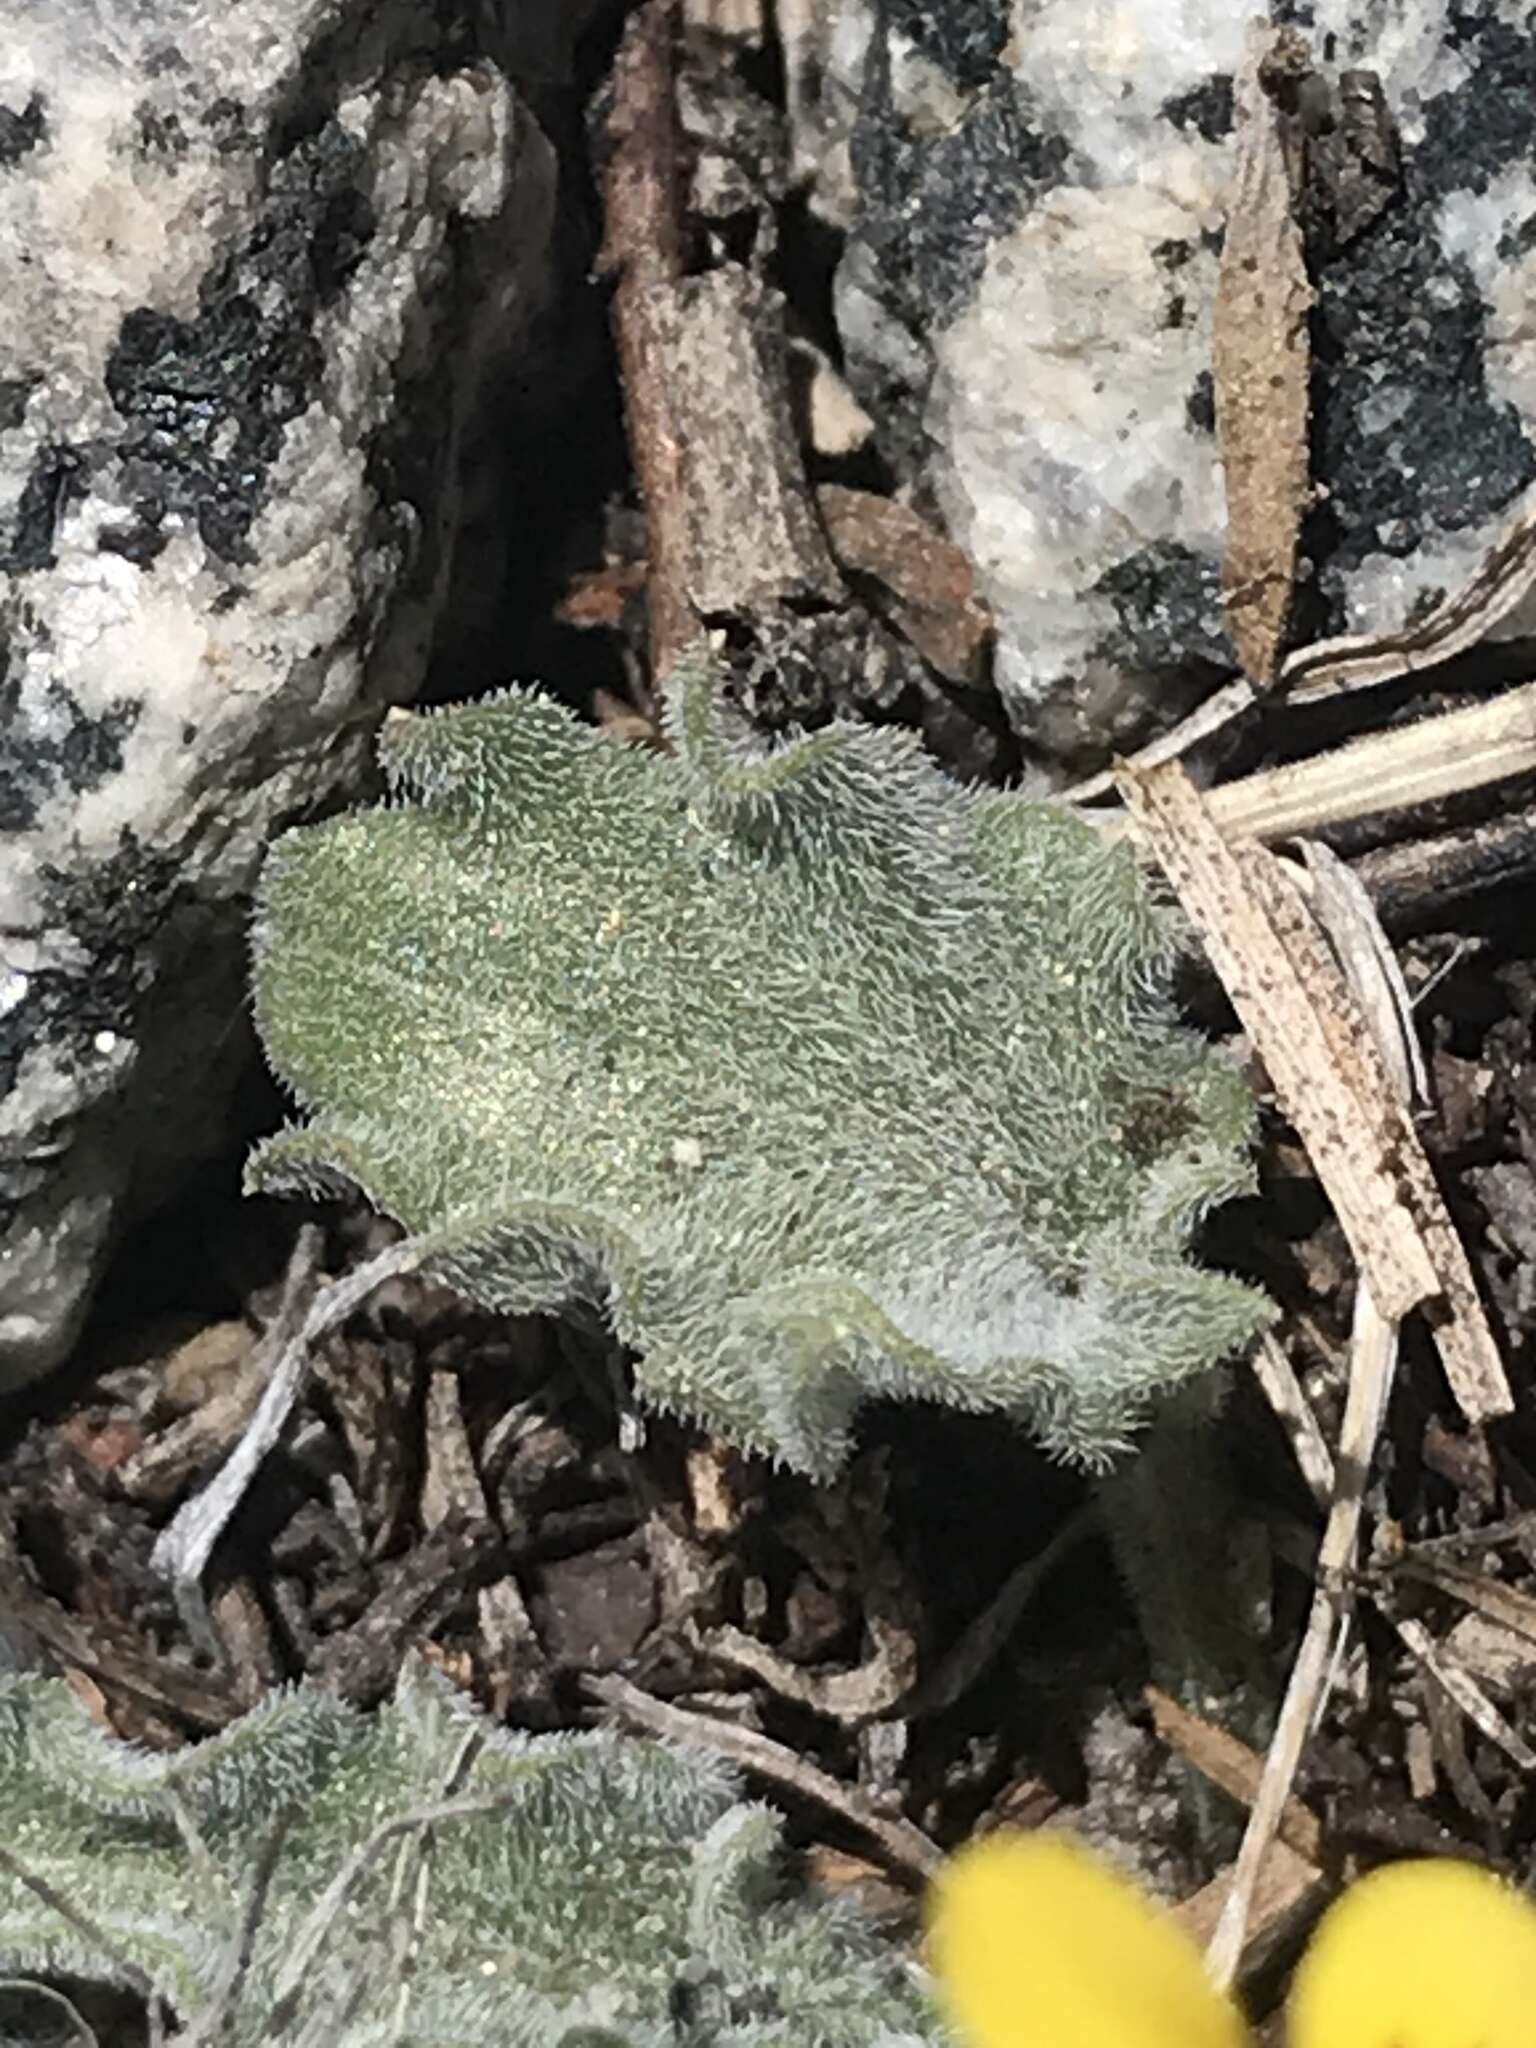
point(1037, 1944)
point(1420, 1955)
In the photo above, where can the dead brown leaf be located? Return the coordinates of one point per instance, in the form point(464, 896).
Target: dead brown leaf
point(928, 583)
point(597, 599)
point(1231, 1765)
point(1261, 361)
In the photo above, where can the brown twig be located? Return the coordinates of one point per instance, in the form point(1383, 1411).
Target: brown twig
point(907, 1849)
point(865, 1693)
point(189, 1446)
point(416, 1594)
point(124, 1661)
point(1415, 882)
point(1228, 1763)
point(1329, 1074)
point(642, 248)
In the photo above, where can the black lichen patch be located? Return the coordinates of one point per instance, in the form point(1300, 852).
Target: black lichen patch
point(1167, 601)
point(1481, 126)
point(118, 906)
point(57, 474)
point(1207, 107)
point(1406, 434)
point(227, 125)
point(15, 397)
point(935, 205)
point(164, 59)
point(1517, 242)
point(161, 137)
point(965, 38)
point(118, 911)
point(1200, 404)
point(140, 540)
point(206, 400)
point(1170, 257)
point(1173, 254)
point(933, 208)
point(21, 133)
point(77, 754)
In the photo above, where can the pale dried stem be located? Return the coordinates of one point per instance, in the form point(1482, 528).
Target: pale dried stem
point(1373, 1356)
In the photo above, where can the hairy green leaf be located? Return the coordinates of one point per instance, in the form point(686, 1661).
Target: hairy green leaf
point(816, 1075)
point(607, 1890)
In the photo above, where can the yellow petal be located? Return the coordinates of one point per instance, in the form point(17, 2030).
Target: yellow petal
point(1036, 1944)
point(1420, 1955)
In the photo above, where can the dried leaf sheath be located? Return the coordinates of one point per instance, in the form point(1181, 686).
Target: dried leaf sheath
point(1261, 361)
point(1329, 1076)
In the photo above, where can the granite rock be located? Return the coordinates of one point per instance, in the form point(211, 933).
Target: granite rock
point(260, 266)
point(1033, 197)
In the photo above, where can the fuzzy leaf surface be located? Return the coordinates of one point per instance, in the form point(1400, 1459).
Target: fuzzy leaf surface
point(817, 1076)
point(615, 1884)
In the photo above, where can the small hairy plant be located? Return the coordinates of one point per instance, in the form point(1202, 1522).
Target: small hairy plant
point(421, 1878)
point(814, 1074)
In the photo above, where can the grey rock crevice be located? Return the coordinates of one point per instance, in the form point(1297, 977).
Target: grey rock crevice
point(263, 270)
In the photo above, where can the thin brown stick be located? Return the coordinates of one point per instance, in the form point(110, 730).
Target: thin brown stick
point(189, 1446)
point(865, 1693)
point(1462, 1688)
point(109, 1650)
point(1415, 881)
point(907, 1849)
point(1436, 757)
point(1445, 755)
point(1282, 1389)
point(642, 248)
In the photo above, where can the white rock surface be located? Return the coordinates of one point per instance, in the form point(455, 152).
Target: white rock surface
point(259, 263)
point(1026, 303)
